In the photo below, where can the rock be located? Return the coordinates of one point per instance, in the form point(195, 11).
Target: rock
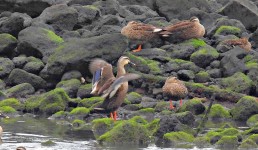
point(74, 74)
point(84, 91)
point(149, 3)
point(254, 37)
point(175, 9)
point(101, 126)
point(134, 98)
point(66, 35)
point(148, 102)
point(20, 90)
point(217, 111)
point(79, 113)
point(162, 106)
point(252, 121)
point(34, 65)
point(232, 83)
point(244, 108)
point(107, 20)
point(252, 75)
point(48, 103)
point(18, 76)
point(231, 64)
point(186, 75)
point(6, 66)
point(12, 103)
point(70, 86)
point(245, 11)
point(20, 61)
point(173, 139)
point(194, 105)
point(215, 73)
point(248, 144)
point(186, 118)
point(81, 2)
point(11, 25)
point(90, 102)
point(2, 85)
point(7, 43)
point(38, 45)
point(146, 113)
point(109, 47)
point(108, 7)
point(202, 77)
point(228, 142)
point(204, 56)
point(60, 17)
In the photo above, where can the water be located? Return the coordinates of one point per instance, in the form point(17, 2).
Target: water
point(31, 132)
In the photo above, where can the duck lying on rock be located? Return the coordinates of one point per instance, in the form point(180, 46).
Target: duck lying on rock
point(242, 42)
point(174, 89)
point(140, 33)
point(112, 89)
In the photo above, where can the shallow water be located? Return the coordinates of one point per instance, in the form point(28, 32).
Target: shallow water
point(30, 132)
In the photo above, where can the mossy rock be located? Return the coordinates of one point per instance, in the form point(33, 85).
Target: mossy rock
point(90, 102)
point(218, 111)
point(80, 111)
point(20, 90)
point(77, 123)
point(12, 102)
point(60, 115)
point(34, 66)
point(7, 109)
point(228, 142)
point(194, 105)
point(134, 98)
point(248, 144)
point(202, 77)
point(2, 95)
point(196, 43)
point(127, 132)
point(8, 43)
point(84, 90)
point(204, 56)
point(232, 83)
point(70, 86)
point(48, 103)
point(153, 126)
point(225, 30)
point(161, 106)
point(252, 130)
point(146, 113)
point(254, 137)
point(244, 108)
point(186, 117)
point(202, 142)
point(48, 143)
point(175, 138)
point(101, 126)
point(252, 121)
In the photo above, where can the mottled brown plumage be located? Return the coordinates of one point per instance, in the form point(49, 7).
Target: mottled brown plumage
point(242, 42)
point(112, 89)
point(175, 89)
point(186, 29)
point(140, 32)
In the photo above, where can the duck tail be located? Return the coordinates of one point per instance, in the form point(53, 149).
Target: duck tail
point(165, 33)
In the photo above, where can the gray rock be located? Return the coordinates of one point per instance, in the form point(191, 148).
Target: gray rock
point(81, 2)
point(12, 25)
point(148, 102)
point(66, 35)
point(186, 118)
point(186, 74)
point(34, 65)
point(2, 84)
point(134, 98)
point(70, 86)
point(20, 61)
point(73, 74)
point(7, 43)
point(108, 6)
point(60, 17)
point(84, 91)
point(252, 74)
point(38, 45)
point(107, 20)
point(215, 73)
point(77, 53)
point(20, 90)
point(254, 37)
point(27, 19)
point(6, 66)
point(149, 3)
point(174, 9)
point(243, 10)
point(18, 76)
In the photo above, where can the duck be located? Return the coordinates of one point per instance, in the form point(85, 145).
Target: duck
point(140, 32)
point(1, 129)
point(20, 148)
point(241, 42)
point(105, 84)
point(175, 89)
point(185, 30)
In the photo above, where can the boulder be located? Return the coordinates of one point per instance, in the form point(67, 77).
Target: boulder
point(77, 53)
point(34, 65)
point(243, 10)
point(186, 118)
point(149, 3)
point(20, 90)
point(84, 91)
point(20, 61)
point(7, 43)
point(70, 86)
point(254, 37)
point(81, 2)
point(244, 108)
point(108, 7)
point(217, 111)
point(18, 76)
point(6, 66)
point(194, 105)
point(73, 74)
point(12, 25)
point(2, 85)
point(60, 17)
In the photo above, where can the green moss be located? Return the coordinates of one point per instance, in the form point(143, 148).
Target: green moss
point(228, 142)
point(248, 144)
point(202, 142)
point(194, 105)
point(13, 102)
point(68, 83)
point(86, 86)
point(53, 37)
point(227, 29)
point(252, 120)
point(153, 65)
point(91, 7)
point(232, 83)
point(147, 110)
point(60, 113)
point(78, 123)
point(203, 74)
point(80, 111)
point(1, 68)
point(229, 132)
point(90, 102)
point(161, 106)
point(139, 119)
point(252, 65)
point(218, 111)
point(254, 137)
point(205, 51)
point(7, 109)
point(248, 58)
point(179, 137)
point(48, 143)
point(196, 42)
point(153, 126)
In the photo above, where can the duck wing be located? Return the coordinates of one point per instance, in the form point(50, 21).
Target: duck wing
point(146, 27)
point(102, 72)
point(179, 27)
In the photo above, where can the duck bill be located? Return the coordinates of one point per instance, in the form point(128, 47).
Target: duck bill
point(132, 63)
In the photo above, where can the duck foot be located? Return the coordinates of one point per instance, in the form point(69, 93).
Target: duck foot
point(180, 103)
point(138, 49)
point(171, 105)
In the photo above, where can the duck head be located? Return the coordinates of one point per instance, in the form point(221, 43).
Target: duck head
point(124, 60)
point(172, 80)
point(194, 19)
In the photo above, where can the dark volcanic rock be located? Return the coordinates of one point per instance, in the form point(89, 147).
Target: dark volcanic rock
point(20, 61)
point(18, 76)
point(34, 65)
point(60, 17)
point(7, 43)
point(20, 90)
point(76, 54)
point(174, 9)
point(254, 37)
point(6, 66)
point(38, 45)
point(242, 10)
point(74, 74)
point(12, 25)
point(108, 7)
point(149, 3)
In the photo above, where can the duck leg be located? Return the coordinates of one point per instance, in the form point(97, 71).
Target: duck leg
point(171, 105)
point(111, 116)
point(115, 116)
point(138, 49)
point(180, 103)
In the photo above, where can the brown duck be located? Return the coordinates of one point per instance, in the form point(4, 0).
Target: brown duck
point(112, 89)
point(140, 32)
point(242, 42)
point(174, 89)
point(185, 30)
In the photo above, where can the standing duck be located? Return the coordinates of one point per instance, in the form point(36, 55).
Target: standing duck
point(140, 32)
point(1, 129)
point(112, 89)
point(242, 42)
point(185, 30)
point(175, 89)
